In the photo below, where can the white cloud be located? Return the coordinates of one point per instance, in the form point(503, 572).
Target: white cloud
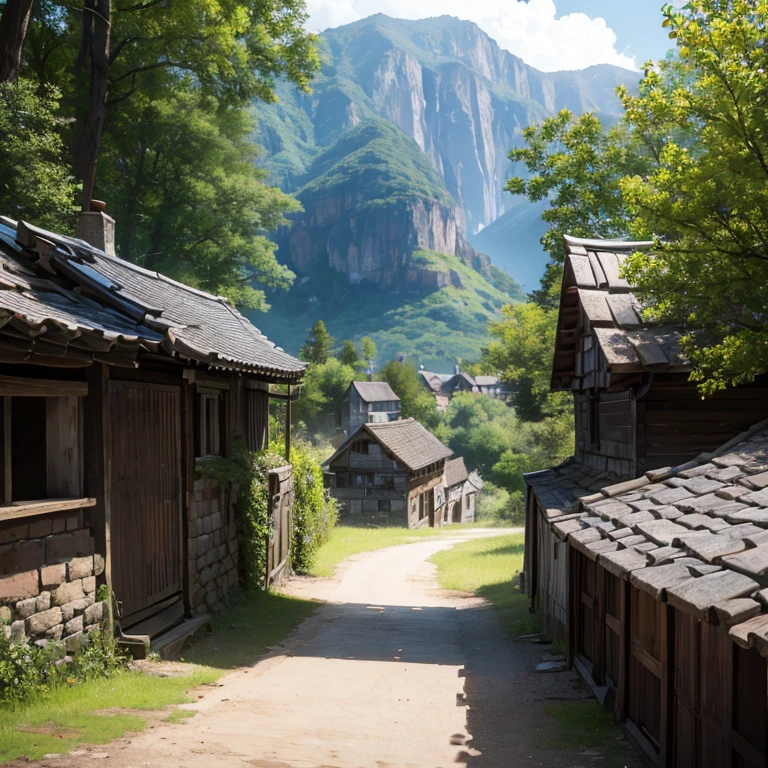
point(530, 30)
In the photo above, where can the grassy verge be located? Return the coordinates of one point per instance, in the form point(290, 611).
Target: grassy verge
point(99, 711)
point(585, 725)
point(489, 568)
point(346, 541)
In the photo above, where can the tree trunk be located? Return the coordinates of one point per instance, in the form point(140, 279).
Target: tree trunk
point(96, 29)
point(13, 30)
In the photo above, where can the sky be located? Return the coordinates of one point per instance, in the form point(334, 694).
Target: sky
point(550, 35)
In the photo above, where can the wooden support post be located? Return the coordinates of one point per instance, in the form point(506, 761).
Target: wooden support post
point(573, 591)
point(188, 484)
point(288, 426)
point(667, 645)
point(8, 463)
point(624, 652)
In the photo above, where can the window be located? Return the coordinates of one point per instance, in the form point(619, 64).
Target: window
point(211, 420)
point(41, 448)
point(384, 482)
point(342, 480)
point(361, 446)
point(363, 481)
point(256, 419)
point(384, 506)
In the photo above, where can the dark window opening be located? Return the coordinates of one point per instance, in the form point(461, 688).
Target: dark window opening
point(210, 432)
point(385, 506)
point(361, 446)
point(342, 480)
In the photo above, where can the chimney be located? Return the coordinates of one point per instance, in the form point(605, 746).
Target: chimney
point(457, 368)
point(97, 228)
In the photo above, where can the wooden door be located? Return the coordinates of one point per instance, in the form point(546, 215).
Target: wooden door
point(146, 501)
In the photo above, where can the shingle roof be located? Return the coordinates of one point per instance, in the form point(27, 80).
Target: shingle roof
point(593, 293)
point(375, 391)
point(486, 381)
point(432, 380)
point(60, 296)
point(455, 472)
point(407, 440)
point(695, 536)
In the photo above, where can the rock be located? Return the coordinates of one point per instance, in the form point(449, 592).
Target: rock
point(70, 609)
point(74, 643)
point(74, 626)
point(65, 546)
point(43, 602)
point(80, 568)
point(89, 584)
point(21, 556)
point(6, 614)
point(94, 613)
point(55, 633)
point(26, 608)
point(20, 586)
point(41, 622)
point(53, 575)
point(17, 631)
point(98, 565)
point(68, 592)
point(552, 666)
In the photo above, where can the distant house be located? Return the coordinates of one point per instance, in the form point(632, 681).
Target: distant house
point(646, 552)
point(369, 402)
point(460, 493)
point(390, 474)
point(445, 385)
point(117, 386)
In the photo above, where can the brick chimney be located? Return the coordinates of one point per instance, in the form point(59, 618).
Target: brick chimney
point(97, 228)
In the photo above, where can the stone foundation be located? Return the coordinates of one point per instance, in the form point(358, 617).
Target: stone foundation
point(48, 573)
point(213, 552)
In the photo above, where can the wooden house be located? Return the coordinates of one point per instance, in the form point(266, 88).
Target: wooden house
point(635, 409)
point(118, 385)
point(445, 386)
point(369, 402)
point(389, 473)
point(644, 550)
point(460, 492)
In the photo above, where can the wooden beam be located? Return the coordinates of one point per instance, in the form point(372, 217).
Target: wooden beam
point(7, 455)
point(43, 507)
point(20, 387)
point(288, 425)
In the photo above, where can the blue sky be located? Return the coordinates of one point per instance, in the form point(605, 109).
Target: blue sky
point(548, 34)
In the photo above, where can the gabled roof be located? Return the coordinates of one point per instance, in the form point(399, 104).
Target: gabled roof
point(597, 302)
point(60, 297)
point(407, 440)
point(695, 536)
point(487, 381)
point(455, 472)
point(374, 391)
point(432, 380)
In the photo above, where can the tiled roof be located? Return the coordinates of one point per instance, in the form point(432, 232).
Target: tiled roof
point(60, 296)
point(560, 488)
point(455, 472)
point(432, 380)
point(375, 391)
point(695, 536)
point(486, 381)
point(606, 301)
point(410, 442)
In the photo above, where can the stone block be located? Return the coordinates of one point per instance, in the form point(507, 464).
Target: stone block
point(198, 596)
point(53, 575)
point(75, 642)
point(94, 613)
point(15, 532)
point(18, 632)
point(90, 599)
point(6, 614)
point(25, 608)
point(20, 586)
point(55, 633)
point(206, 525)
point(98, 565)
point(42, 622)
point(232, 544)
point(89, 584)
point(210, 492)
point(43, 602)
point(21, 556)
point(73, 522)
point(59, 525)
point(80, 568)
point(199, 484)
point(40, 528)
point(72, 609)
point(204, 544)
point(212, 600)
point(74, 626)
point(64, 546)
point(205, 576)
point(193, 528)
point(68, 592)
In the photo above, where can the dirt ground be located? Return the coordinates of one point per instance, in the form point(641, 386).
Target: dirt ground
point(390, 673)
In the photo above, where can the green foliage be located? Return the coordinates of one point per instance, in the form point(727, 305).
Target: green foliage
point(349, 354)
point(415, 401)
point(29, 672)
point(317, 347)
point(495, 505)
point(314, 511)
point(368, 347)
point(378, 164)
point(35, 182)
point(323, 391)
point(247, 475)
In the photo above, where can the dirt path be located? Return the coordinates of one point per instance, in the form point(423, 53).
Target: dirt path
point(391, 672)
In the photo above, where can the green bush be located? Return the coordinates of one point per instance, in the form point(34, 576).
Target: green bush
point(314, 511)
point(29, 671)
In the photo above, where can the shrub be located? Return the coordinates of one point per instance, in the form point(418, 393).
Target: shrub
point(497, 506)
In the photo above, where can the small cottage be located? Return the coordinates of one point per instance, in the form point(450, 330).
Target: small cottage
point(369, 402)
point(117, 386)
point(460, 492)
point(390, 474)
point(444, 386)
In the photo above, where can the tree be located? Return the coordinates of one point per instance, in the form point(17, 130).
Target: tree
point(317, 347)
point(368, 346)
point(322, 396)
point(415, 401)
point(13, 29)
point(349, 354)
point(35, 182)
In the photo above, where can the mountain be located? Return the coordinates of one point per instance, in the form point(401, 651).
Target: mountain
point(399, 158)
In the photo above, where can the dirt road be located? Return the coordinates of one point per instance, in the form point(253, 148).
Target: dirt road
point(390, 673)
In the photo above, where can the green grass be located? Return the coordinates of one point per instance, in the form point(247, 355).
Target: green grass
point(92, 713)
point(489, 568)
point(585, 725)
point(346, 541)
point(250, 626)
point(70, 717)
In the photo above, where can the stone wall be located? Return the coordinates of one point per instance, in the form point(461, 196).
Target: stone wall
point(48, 575)
point(213, 552)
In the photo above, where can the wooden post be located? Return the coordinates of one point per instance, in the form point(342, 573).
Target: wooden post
point(667, 644)
point(8, 463)
point(624, 652)
point(188, 482)
point(288, 425)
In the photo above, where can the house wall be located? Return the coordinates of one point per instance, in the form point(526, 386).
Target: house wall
point(48, 578)
point(428, 486)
